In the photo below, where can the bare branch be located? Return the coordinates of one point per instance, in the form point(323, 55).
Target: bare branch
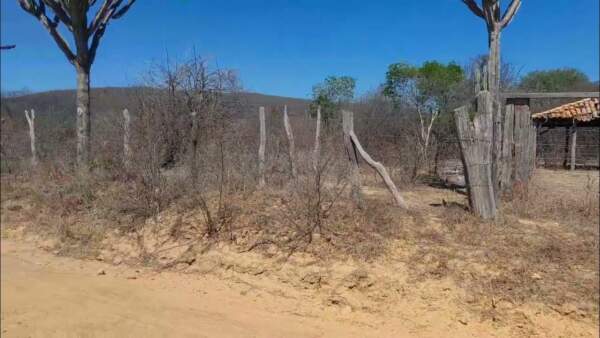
point(60, 13)
point(7, 47)
point(38, 10)
point(510, 13)
point(100, 16)
point(474, 8)
point(123, 10)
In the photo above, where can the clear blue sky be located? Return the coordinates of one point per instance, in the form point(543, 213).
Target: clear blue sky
point(284, 47)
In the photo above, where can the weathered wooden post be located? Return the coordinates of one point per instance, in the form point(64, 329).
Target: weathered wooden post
point(508, 145)
point(348, 125)
point(290, 137)
point(194, 148)
point(573, 144)
point(261, 147)
point(475, 135)
point(523, 140)
point(127, 153)
point(317, 150)
point(356, 146)
point(30, 116)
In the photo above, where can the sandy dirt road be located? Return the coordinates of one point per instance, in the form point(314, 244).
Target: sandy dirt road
point(48, 296)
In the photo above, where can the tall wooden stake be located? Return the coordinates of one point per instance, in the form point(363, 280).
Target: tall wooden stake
point(30, 116)
point(261, 147)
point(127, 153)
point(290, 137)
point(573, 144)
point(317, 150)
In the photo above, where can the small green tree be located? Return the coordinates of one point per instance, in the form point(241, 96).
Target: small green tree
point(427, 89)
point(331, 94)
point(556, 80)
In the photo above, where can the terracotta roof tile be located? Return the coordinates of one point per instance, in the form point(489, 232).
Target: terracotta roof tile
point(582, 110)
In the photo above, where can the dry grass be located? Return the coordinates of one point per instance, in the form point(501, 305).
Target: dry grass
point(541, 250)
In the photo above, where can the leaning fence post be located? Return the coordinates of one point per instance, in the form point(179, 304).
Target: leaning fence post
point(261, 147)
point(371, 162)
point(30, 116)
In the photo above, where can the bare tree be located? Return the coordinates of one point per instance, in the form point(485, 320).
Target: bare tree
point(86, 36)
point(490, 12)
point(30, 116)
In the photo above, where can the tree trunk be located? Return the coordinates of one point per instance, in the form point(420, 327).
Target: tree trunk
point(493, 69)
point(290, 137)
point(493, 78)
point(127, 153)
point(30, 116)
point(475, 138)
point(84, 127)
point(317, 150)
point(348, 127)
point(261, 147)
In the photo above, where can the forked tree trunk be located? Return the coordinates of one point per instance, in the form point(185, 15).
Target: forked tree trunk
point(348, 127)
point(84, 127)
point(127, 153)
point(261, 147)
point(475, 138)
point(290, 137)
point(317, 150)
point(349, 130)
point(30, 116)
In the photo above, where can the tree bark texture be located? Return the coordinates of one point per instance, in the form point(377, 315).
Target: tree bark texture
point(475, 138)
point(291, 145)
point(84, 126)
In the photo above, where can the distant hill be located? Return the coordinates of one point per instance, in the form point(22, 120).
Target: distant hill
point(115, 99)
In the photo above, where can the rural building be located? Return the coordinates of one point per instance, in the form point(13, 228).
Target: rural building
point(568, 135)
